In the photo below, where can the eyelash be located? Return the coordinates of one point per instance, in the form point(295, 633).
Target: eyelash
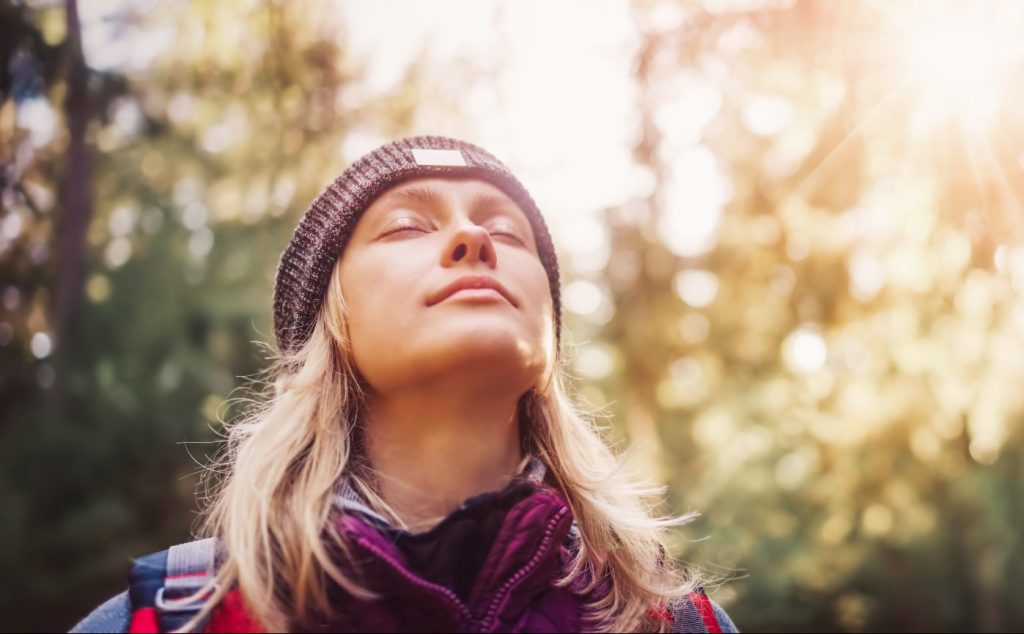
point(389, 232)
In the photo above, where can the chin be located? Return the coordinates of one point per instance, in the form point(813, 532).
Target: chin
point(483, 349)
point(490, 344)
point(487, 348)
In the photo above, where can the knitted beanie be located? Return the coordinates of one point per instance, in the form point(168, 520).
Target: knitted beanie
point(307, 262)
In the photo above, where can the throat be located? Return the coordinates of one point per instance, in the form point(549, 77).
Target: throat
point(429, 455)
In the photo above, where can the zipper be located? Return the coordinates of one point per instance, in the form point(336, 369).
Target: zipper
point(434, 588)
point(467, 621)
point(545, 545)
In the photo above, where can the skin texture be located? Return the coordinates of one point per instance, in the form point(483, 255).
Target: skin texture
point(445, 377)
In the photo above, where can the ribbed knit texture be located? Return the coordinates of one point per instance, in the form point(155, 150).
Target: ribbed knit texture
point(324, 230)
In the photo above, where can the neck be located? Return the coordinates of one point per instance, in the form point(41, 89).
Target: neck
point(433, 447)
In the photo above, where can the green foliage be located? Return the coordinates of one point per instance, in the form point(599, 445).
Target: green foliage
point(201, 164)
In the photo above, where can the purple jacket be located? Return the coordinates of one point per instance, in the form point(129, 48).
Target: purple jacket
point(487, 567)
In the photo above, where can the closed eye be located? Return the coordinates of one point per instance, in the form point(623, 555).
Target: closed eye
point(417, 228)
point(401, 229)
point(503, 229)
point(510, 234)
point(403, 226)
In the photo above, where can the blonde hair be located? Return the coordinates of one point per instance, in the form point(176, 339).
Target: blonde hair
point(272, 490)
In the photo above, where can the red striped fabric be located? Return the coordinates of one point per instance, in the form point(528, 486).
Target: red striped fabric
point(188, 575)
point(661, 613)
point(231, 616)
point(707, 613)
point(144, 621)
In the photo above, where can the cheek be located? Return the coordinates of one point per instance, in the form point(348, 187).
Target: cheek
point(376, 295)
point(541, 321)
point(538, 298)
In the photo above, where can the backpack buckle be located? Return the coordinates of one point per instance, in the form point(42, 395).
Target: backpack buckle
point(164, 604)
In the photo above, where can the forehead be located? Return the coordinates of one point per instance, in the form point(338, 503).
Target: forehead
point(442, 190)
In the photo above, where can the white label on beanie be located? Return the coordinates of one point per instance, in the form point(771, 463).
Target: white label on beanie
point(438, 157)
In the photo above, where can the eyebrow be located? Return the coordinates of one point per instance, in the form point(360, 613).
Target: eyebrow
point(416, 194)
point(432, 198)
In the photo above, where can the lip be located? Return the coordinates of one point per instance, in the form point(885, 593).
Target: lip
point(471, 282)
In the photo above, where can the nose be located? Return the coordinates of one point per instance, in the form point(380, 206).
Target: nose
point(470, 244)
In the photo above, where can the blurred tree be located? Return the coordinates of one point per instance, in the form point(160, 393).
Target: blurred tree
point(210, 128)
point(75, 195)
point(816, 306)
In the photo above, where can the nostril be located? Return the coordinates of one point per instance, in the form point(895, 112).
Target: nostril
point(460, 251)
point(484, 254)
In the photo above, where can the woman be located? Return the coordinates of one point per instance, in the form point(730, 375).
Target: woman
point(417, 464)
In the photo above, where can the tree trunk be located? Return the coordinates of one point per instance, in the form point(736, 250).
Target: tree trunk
point(77, 205)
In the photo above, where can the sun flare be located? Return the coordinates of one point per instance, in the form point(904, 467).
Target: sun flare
point(960, 62)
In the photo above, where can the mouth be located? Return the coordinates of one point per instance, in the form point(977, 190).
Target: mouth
point(473, 286)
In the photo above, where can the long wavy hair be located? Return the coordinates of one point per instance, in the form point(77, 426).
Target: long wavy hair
point(269, 493)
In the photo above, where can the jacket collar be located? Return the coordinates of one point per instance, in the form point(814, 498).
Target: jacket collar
point(348, 500)
point(480, 565)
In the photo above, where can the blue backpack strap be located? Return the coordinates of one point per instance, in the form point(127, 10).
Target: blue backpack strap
point(114, 615)
point(190, 566)
point(146, 578)
point(697, 613)
point(686, 617)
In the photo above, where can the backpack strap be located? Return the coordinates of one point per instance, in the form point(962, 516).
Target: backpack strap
point(190, 566)
point(693, 613)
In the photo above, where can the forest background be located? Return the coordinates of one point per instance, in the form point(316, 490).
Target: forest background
point(792, 239)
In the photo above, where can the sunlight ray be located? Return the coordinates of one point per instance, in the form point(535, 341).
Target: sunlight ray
point(872, 113)
point(972, 162)
point(1006, 189)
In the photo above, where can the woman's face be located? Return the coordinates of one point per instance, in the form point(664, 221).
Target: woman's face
point(442, 280)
